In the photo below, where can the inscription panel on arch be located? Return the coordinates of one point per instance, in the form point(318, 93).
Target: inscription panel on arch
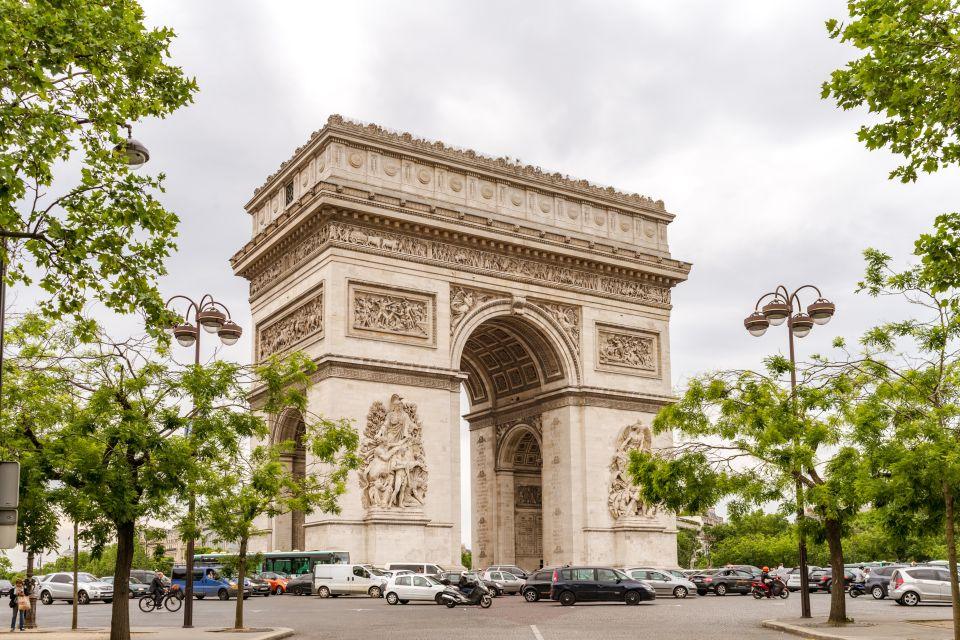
point(627, 350)
point(380, 312)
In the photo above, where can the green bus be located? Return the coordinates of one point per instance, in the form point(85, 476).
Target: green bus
point(291, 563)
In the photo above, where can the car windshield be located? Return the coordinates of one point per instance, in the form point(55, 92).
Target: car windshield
point(433, 580)
point(86, 577)
point(621, 575)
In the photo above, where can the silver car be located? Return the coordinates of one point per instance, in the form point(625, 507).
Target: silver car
point(664, 583)
point(912, 585)
point(59, 586)
point(508, 582)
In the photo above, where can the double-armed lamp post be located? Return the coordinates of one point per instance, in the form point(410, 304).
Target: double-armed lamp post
point(214, 318)
point(784, 306)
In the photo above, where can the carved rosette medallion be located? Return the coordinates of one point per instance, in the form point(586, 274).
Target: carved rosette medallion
point(386, 313)
point(632, 351)
point(463, 300)
point(624, 500)
point(294, 327)
point(394, 470)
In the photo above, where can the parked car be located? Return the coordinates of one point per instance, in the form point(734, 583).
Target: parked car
point(793, 578)
point(878, 580)
point(207, 581)
point(508, 582)
point(346, 579)
point(301, 585)
point(585, 584)
point(823, 579)
point(510, 568)
point(724, 581)
point(912, 585)
point(427, 568)
point(394, 573)
point(5, 587)
point(406, 587)
point(663, 583)
point(258, 585)
point(137, 588)
point(749, 568)
point(59, 586)
point(537, 585)
point(277, 582)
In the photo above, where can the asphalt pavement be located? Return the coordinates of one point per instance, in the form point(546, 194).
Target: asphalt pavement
point(510, 617)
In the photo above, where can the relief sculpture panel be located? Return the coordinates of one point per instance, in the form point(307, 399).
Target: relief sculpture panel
point(628, 351)
point(294, 327)
point(394, 471)
point(395, 315)
point(623, 500)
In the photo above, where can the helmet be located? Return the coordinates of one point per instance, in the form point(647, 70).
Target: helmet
point(766, 568)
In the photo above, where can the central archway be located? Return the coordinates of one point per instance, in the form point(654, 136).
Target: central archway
point(515, 358)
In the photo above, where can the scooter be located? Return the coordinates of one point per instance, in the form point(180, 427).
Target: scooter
point(857, 589)
point(776, 588)
point(479, 595)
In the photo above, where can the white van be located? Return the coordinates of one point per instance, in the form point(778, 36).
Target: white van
point(346, 579)
point(427, 568)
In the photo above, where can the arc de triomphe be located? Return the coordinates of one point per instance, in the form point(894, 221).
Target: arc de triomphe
point(408, 269)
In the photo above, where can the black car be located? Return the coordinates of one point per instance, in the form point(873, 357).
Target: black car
point(592, 584)
point(5, 587)
point(301, 585)
point(137, 588)
point(537, 585)
point(823, 580)
point(878, 579)
point(259, 586)
point(723, 581)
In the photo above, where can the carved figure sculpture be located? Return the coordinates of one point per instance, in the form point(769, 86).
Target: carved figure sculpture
point(624, 499)
point(394, 472)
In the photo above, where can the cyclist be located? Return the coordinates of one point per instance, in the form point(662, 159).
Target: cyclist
point(157, 590)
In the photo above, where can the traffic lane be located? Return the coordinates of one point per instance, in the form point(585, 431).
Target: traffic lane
point(509, 617)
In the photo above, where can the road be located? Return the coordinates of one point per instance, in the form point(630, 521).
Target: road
point(510, 617)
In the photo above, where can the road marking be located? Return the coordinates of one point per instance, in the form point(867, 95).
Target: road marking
point(536, 632)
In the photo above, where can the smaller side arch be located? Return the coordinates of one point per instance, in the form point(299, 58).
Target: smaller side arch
point(514, 436)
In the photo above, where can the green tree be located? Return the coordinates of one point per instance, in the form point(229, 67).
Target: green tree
point(74, 73)
point(744, 435)
point(687, 546)
point(238, 490)
point(907, 76)
point(466, 558)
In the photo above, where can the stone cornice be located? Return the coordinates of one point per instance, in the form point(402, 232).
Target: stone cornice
point(502, 167)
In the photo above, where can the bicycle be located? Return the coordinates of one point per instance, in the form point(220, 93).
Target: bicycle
point(172, 600)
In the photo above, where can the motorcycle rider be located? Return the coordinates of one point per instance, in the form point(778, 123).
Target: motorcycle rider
point(765, 579)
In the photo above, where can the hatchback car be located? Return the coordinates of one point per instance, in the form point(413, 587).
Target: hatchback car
point(537, 585)
point(912, 585)
point(724, 581)
point(301, 585)
point(404, 588)
point(878, 580)
point(277, 582)
point(259, 586)
point(585, 584)
point(507, 582)
point(59, 586)
point(792, 578)
point(136, 590)
point(5, 587)
point(663, 583)
point(510, 568)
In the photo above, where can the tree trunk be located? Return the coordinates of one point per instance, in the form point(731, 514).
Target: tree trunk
point(838, 597)
point(241, 574)
point(120, 618)
point(952, 557)
point(31, 618)
point(76, 561)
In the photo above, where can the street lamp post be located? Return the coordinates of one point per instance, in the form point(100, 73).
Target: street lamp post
point(782, 308)
point(214, 318)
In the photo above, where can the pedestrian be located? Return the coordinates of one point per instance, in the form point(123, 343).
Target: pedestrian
point(20, 603)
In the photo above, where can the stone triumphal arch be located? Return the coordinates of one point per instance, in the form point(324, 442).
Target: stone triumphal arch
point(409, 270)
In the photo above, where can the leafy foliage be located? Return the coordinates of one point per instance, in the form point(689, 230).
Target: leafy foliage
point(907, 76)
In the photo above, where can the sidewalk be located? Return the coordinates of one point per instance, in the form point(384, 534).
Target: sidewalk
point(883, 629)
point(160, 633)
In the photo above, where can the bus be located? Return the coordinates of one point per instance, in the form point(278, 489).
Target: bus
point(291, 563)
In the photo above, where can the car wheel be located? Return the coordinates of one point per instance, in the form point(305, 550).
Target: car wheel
point(404, 602)
point(375, 592)
point(878, 593)
point(438, 599)
point(83, 598)
point(567, 598)
point(46, 598)
point(910, 599)
point(392, 598)
point(531, 595)
point(107, 600)
point(223, 594)
point(324, 592)
point(632, 597)
point(199, 596)
point(701, 592)
point(680, 592)
point(720, 590)
point(497, 593)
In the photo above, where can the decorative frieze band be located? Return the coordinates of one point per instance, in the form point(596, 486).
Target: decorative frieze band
point(626, 350)
point(463, 258)
point(294, 327)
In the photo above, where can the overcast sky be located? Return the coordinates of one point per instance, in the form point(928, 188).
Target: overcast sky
point(713, 107)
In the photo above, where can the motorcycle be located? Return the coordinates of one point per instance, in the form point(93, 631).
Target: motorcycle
point(776, 589)
point(857, 589)
point(478, 595)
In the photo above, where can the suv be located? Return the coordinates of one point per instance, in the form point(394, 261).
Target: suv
point(823, 580)
point(723, 581)
point(537, 585)
point(59, 586)
point(878, 580)
point(585, 584)
point(510, 568)
point(910, 585)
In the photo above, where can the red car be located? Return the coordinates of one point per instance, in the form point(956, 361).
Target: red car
point(277, 582)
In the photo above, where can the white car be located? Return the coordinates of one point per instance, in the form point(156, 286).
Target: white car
point(59, 586)
point(507, 582)
point(407, 587)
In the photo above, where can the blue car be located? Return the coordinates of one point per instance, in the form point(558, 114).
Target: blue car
point(207, 582)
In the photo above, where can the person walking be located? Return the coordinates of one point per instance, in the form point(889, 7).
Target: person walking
point(19, 603)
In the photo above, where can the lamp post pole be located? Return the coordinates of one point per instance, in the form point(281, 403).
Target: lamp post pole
point(214, 318)
point(799, 324)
